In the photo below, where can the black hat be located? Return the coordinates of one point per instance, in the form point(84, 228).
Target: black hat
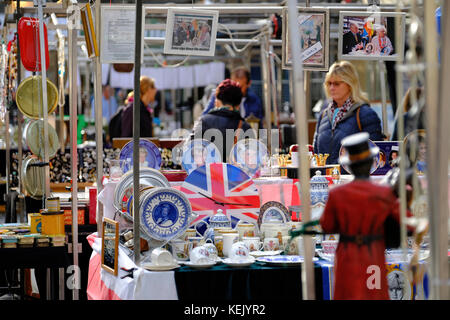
point(358, 149)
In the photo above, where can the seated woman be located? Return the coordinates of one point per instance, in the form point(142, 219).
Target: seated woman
point(220, 125)
point(347, 113)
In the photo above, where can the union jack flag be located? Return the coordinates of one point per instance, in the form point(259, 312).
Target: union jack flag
point(222, 186)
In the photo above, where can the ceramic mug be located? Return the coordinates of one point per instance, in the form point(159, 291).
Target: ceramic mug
point(200, 255)
point(161, 257)
point(238, 252)
point(271, 230)
point(191, 232)
point(253, 243)
point(271, 244)
point(329, 246)
point(228, 240)
point(180, 249)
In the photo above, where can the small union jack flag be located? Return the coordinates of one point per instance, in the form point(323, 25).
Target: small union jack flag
point(222, 186)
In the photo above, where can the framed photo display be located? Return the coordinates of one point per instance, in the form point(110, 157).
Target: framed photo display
point(110, 246)
point(369, 35)
point(191, 32)
point(314, 27)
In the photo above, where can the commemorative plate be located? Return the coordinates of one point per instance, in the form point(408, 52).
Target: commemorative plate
point(198, 152)
point(165, 213)
point(35, 139)
point(283, 260)
point(249, 155)
point(273, 212)
point(148, 177)
point(149, 155)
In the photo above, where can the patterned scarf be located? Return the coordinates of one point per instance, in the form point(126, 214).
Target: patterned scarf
point(342, 111)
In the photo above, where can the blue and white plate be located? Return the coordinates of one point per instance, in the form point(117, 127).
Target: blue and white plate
point(249, 155)
point(165, 213)
point(283, 260)
point(149, 155)
point(199, 152)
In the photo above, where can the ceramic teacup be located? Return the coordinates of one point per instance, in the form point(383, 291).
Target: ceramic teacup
point(228, 240)
point(161, 257)
point(301, 247)
point(253, 243)
point(271, 244)
point(194, 241)
point(245, 229)
point(239, 252)
point(200, 255)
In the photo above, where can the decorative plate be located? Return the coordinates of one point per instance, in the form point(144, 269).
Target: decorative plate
point(200, 266)
point(283, 260)
point(249, 155)
point(35, 139)
point(258, 254)
point(198, 152)
point(165, 213)
point(149, 155)
point(124, 188)
point(273, 211)
point(232, 263)
point(222, 186)
point(153, 267)
point(376, 160)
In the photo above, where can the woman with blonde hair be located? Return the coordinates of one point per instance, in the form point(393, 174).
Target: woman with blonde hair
point(347, 112)
point(148, 93)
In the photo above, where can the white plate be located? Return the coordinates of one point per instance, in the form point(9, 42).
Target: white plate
point(153, 267)
point(232, 263)
point(257, 254)
point(199, 266)
point(283, 260)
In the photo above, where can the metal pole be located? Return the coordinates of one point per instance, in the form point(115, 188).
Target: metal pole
point(383, 98)
point(301, 117)
point(72, 40)
point(40, 4)
point(136, 131)
point(274, 88)
point(437, 97)
point(98, 115)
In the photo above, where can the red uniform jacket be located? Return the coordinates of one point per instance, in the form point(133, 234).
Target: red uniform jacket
point(359, 208)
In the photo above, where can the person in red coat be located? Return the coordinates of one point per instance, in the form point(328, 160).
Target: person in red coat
point(357, 211)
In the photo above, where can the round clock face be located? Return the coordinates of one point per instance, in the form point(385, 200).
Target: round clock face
point(149, 155)
point(222, 186)
point(198, 152)
point(165, 213)
point(249, 155)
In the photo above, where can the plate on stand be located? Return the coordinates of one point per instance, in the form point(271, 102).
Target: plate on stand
point(200, 265)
